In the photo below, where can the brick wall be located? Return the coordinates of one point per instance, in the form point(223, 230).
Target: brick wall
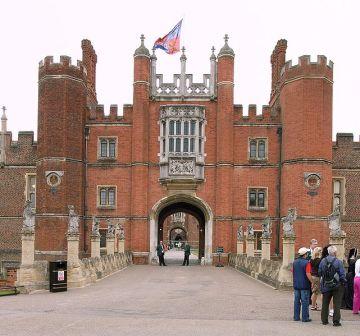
point(346, 156)
point(300, 110)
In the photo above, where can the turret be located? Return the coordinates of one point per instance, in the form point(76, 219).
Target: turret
point(224, 143)
point(140, 143)
point(277, 60)
point(306, 113)
point(89, 60)
point(225, 98)
point(2, 135)
point(60, 155)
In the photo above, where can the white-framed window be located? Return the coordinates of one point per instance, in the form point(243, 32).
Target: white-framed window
point(339, 193)
point(106, 197)
point(107, 148)
point(258, 149)
point(185, 137)
point(257, 198)
point(30, 189)
point(182, 136)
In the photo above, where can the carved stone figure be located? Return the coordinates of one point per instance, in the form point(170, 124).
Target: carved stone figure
point(240, 234)
point(250, 231)
point(73, 221)
point(29, 218)
point(110, 228)
point(334, 221)
point(288, 223)
point(95, 226)
point(121, 232)
point(266, 228)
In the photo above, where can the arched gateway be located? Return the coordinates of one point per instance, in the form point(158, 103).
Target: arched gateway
point(190, 204)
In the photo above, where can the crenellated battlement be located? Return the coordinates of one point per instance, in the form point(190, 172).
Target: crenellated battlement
point(304, 67)
point(21, 151)
point(264, 117)
point(346, 152)
point(97, 114)
point(64, 65)
point(346, 140)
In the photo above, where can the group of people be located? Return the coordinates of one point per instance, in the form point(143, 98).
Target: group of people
point(318, 271)
point(161, 249)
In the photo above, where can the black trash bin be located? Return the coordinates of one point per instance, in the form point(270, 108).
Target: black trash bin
point(58, 276)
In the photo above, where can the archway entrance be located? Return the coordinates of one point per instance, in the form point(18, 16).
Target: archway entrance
point(190, 207)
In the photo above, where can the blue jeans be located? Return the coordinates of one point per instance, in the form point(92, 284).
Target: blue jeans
point(301, 298)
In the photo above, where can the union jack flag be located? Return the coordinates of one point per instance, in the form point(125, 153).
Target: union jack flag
point(170, 43)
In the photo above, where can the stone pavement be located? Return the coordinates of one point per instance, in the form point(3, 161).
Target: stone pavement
point(173, 300)
point(176, 257)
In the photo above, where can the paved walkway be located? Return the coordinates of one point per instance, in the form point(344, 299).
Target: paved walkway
point(176, 257)
point(173, 300)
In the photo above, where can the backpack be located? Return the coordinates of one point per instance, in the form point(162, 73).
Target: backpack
point(331, 276)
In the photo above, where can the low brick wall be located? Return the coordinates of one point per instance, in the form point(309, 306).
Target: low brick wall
point(268, 271)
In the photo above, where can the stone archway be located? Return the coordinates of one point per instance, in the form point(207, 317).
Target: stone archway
point(177, 233)
point(187, 203)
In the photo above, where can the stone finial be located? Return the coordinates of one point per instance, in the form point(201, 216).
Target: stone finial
point(73, 226)
point(153, 55)
point(183, 56)
point(226, 50)
point(3, 120)
point(29, 219)
point(213, 56)
point(142, 50)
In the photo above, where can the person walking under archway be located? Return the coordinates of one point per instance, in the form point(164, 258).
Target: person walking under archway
point(187, 252)
point(160, 250)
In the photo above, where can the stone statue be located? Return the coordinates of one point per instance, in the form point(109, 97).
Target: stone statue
point(121, 232)
point(29, 218)
point(266, 227)
point(334, 221)
point(288, 223)
point(240, 234)
point(73, 221)
point(95, 226)
point(110, 228)
point(250, 231)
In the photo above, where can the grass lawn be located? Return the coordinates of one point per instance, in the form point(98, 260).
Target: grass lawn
point(8, 292)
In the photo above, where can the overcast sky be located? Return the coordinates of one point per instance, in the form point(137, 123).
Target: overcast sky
point(30, 30)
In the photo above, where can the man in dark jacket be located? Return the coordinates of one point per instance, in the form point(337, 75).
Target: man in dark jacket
point(331, 288)
point(187, 253)
point(160, 250)
point(302, 284)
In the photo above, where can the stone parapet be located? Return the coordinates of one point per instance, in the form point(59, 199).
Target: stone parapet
point(267, 271)
point(89, 271)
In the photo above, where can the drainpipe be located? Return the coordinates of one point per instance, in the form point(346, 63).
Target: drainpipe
point(277, 246)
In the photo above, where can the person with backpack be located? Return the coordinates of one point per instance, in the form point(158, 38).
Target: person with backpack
point(332, 273)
